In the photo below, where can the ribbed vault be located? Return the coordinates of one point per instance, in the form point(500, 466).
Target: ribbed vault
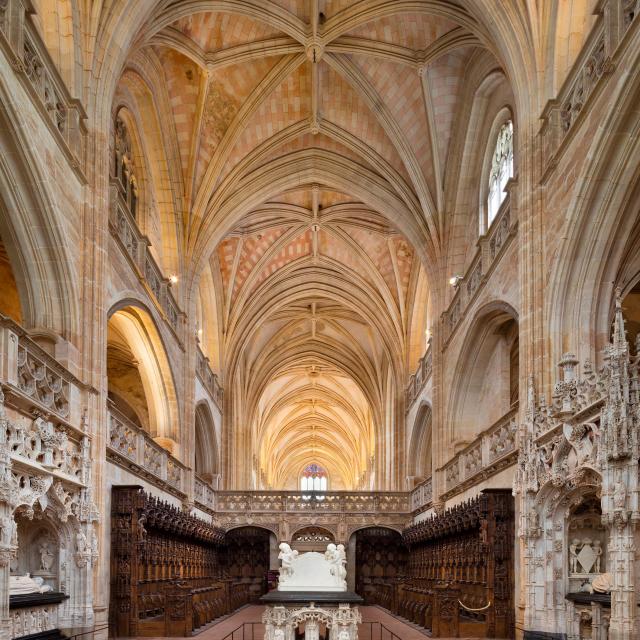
point(314, 288)
point(298, 153)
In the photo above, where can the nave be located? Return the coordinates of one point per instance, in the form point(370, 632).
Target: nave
point(354, 282)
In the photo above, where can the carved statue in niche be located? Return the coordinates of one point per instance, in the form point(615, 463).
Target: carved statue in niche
point(46, 556)
point(8, 531)
point(619, 495)
point(81, 542)
point(574, 547)
point(597, 550)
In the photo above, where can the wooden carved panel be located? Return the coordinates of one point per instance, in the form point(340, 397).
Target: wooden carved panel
point(167, 568)
point(460, 569)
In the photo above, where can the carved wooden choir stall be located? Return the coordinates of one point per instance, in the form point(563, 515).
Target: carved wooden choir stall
point(381, 558)
point(170, 571)
point(460, 569)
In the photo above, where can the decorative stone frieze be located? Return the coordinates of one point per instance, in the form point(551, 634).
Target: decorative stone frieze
point(46, 502)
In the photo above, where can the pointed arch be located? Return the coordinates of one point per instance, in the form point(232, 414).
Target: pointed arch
point(207, 459)
point(149, 390)
point(419, 458)
point(34, 233)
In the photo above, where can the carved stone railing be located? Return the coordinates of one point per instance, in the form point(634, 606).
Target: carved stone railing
point(595, 61)
point(135, 450)
point(208, 378)
point(493, 450)
point(64, 115)
point(422, 496)
point(135, 246)
point(203, 493)
point(302, 502)
point(419, 378)
point(491, 246)
point(35, 380)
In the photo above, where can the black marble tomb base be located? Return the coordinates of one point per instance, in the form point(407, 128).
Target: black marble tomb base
point(581, 597)
point(36, 599)
point(305, 597)
point(53, 634)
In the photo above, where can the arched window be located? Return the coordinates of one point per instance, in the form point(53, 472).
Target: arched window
point(123, 165)
point(313, 478)
point(501, 170)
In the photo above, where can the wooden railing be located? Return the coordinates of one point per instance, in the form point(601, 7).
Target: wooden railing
point(493, 450)
point(135, 246)
point(491, 246)
point(418, 379)
point(64, 115)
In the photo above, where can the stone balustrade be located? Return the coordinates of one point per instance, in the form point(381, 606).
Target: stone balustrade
point(135, 246)
point(491, 246)
point(35, 380)
point(208, 378)
point(422, 496)
point(135, 450)
point(326, 502)
point(584, 80)
point(418, 379)
point(491, 451)
point(64, 115)
point(204, 494)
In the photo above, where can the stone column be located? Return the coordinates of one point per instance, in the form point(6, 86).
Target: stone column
point(8, 531)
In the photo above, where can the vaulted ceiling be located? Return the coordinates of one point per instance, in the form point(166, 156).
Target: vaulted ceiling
point(308, 143)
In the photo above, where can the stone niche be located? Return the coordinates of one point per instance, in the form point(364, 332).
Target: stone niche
point(586, 544)
point(38, 550)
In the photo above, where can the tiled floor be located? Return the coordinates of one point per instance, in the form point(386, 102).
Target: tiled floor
point(253, 613)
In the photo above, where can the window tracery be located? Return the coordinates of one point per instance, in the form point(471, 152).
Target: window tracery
point(313, 478)
point(501, 170)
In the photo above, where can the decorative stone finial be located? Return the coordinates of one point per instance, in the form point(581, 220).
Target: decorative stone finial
point(619, 333)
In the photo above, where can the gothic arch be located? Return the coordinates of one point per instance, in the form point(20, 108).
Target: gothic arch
point(419, 458)
point(604, 213)
point(133, 335)
point(207, 460)
point(33, 235)
point(484, 360)
point(488, 96)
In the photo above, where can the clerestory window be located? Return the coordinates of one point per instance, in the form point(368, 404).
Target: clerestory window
point(314, 479)
point(501, 170)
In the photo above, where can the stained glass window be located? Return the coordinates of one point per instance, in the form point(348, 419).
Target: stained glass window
point(313, 478)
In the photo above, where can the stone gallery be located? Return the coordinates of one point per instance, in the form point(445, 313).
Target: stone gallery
point(320, 318)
